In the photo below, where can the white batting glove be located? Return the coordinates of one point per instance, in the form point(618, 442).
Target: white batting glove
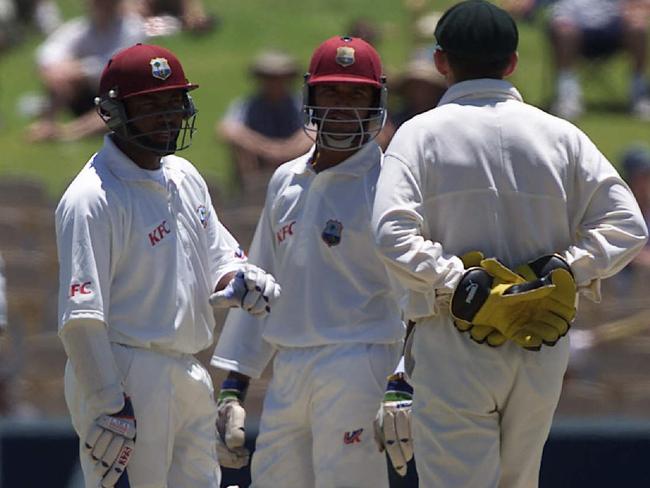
point(110, 443)
point(393, 423)
point(252, 289)
point(231, 417)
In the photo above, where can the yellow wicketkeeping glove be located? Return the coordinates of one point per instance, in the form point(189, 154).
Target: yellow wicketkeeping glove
point(559, 307)
point(494, 297)
point(482, 334)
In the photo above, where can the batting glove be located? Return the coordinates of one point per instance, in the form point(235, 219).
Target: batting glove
point(393, 423)
point(110, 443)
point(231, 416)
point(252, 289)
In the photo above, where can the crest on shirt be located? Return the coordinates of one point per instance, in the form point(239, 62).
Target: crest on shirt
point(202, 212)
point(160, 68)
point(332, 232)
point(345, 56)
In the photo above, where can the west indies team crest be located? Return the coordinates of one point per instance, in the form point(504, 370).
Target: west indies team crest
point(345, 56)
point(332, 232)
point(160, 68)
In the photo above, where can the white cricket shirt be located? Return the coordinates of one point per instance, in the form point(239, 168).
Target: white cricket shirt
point(141, 256)
point(315, 237)
point(485, 171)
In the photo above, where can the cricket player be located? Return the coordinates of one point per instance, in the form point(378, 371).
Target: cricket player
point(336, 334)
point(486, 172)
point(141, 253)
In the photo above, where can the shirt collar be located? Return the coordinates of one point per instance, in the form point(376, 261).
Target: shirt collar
point(123, 167)
point(483, 88)
point(355, 165)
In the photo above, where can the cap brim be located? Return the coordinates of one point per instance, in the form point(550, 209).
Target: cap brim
point(184, 86)
point(319, 80)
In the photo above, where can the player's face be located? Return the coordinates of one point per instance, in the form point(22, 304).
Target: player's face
point(343, 105)
point(157, 116)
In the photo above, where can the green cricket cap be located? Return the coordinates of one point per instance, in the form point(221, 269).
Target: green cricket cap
point(477, 30)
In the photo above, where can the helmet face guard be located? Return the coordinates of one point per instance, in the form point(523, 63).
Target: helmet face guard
point(179, 137)
point(359, 125)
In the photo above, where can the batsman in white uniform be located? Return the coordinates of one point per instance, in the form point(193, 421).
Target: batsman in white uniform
point(486, 172)
point(336, 332)
point(141, 254)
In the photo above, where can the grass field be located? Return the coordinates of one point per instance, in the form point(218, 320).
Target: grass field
point(218, 62)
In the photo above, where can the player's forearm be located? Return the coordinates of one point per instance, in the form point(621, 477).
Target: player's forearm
point(606, 240)
point(89, 350)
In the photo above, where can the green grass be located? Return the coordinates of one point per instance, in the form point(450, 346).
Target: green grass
point(219, 61)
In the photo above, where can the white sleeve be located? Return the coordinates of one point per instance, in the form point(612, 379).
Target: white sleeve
point(224, 253)
point(61, 44)
point(3, 298)
point(84, 237)
point(399, 224)
point(241, 347)
point(606, 221)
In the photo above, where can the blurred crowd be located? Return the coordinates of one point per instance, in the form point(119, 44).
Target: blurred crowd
point(264, 128)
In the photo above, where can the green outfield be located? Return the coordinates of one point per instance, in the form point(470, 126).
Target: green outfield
point(218, 63)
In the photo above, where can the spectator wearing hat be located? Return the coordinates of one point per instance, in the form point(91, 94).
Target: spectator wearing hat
point(265, 129)
point(418, 88)
point(70, 63)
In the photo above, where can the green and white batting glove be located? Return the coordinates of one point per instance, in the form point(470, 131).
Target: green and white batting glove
point(393, 423)
point(231, 433)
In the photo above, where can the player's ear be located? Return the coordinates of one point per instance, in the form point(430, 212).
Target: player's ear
point(441, 62)
point(512, 64)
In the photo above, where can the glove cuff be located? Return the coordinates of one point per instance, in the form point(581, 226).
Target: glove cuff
point(233, 389)
point(398, 389)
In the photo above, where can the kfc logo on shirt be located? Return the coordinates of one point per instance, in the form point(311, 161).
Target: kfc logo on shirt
point(80, 289)
point(285, 231)
point(159, 233)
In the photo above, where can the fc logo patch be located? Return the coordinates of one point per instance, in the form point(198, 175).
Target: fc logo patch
point(332, 232)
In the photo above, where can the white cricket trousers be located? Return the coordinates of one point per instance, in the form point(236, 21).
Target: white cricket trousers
point(481, 415)
point(316, 429)
point(172, 397)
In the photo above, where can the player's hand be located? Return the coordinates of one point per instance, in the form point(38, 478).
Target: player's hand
point(231, 433)
point(482, 334)
point(393, 423)
point(493, 296)
point(252, 289)
point(110, 443)
point(560, 305)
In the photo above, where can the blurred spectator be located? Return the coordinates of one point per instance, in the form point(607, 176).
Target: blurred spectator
point(44, 14)
point(7, 22)
point(191, 13)
point(595, 29)
point(3, 299)
point(70, 63)
point(636, 171)
point(418, 88)
point(366, 30)
point(266, 129)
